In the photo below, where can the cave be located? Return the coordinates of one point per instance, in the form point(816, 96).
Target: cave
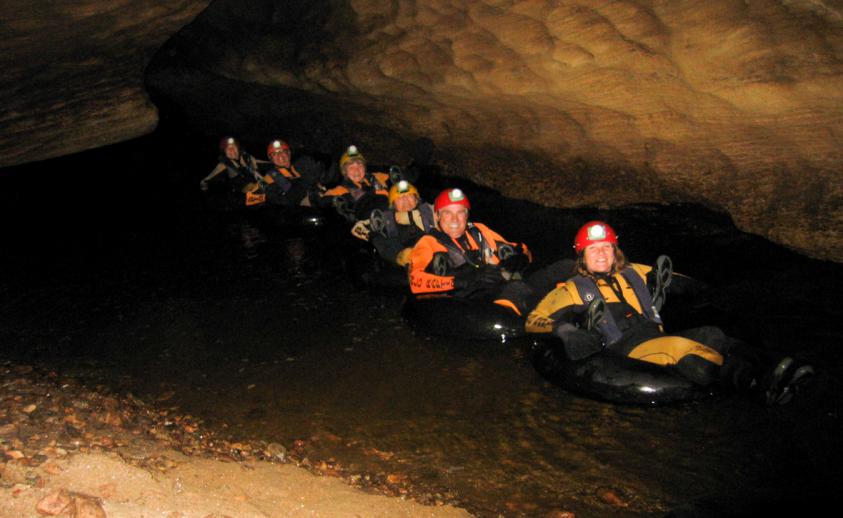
point(710, 131)
point(731, 105)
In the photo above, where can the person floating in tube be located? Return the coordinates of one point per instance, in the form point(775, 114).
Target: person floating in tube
point(613, 305)
point(468, 259)
point(394, 232)
point(287, 184)
point(236, 173)
point(359, 192)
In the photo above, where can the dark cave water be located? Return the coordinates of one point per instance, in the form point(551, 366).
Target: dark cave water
point(112, 270)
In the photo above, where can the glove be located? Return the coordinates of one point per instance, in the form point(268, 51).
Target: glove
point(311, 170)
point(343, 207)
point(360, 230)
point(403, 257)
point(516, 263)
point(377, 223)
point(490, 275)
point(474, 279)
point(578, 344)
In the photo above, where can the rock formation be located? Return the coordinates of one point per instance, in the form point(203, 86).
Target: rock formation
point(735, 105)
point(73, 72)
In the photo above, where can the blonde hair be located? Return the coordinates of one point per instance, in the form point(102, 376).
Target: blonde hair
point(618, 265)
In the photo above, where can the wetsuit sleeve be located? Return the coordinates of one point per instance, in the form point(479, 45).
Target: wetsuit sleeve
point(422, 281)
point(254, 169)
point(684, 286)
point(680, 285)
point(217, 170)
point(326, 199)
point(387, 248)
point(556, 307)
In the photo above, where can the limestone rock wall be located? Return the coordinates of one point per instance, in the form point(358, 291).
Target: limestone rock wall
point(73, 72)
point(735, 104)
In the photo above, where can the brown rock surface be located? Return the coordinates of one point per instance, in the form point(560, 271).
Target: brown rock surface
point(73, 72)
point(161, 463)
point(737, 105)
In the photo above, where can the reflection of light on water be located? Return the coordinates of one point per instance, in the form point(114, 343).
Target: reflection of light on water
point(296, 250)
point(251, 237)
point(316, 221)
point(499, 327)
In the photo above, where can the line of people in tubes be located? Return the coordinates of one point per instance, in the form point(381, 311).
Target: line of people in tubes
point(599, 303)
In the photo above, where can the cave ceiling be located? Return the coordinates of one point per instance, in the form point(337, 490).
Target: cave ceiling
point(737, 105)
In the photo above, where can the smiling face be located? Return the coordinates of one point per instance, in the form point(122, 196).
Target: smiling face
point(355, 171)
point(406, 202)
point(599, 257)
point(453, 220)
point(281, 158)
point(232, 151)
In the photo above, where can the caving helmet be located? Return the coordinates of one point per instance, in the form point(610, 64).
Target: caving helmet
point(276, 146)
point(594, 232)
point(400, 189)
point(450, 197)
point(225, 142)
point(351, 154)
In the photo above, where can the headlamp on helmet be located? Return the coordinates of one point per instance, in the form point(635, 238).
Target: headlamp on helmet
point(594, 232)
point(226, 142)
point(276, 146)
point(352, 153)
point(400, 189)
point(450, 197)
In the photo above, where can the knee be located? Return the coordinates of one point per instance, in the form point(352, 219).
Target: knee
point(697, 369)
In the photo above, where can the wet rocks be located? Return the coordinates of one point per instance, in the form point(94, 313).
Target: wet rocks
point(613, 497)
point(76, 505)
point(276, 451)
point(85, 507)
point(46, 419)
point(55, 503)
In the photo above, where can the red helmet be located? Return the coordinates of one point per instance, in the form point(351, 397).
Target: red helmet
point(450, 197)
point(228, 141)
point(276, 146)
point(594, 232)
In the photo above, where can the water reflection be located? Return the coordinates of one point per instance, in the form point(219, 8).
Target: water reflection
point(250, 237)
point(263, 335)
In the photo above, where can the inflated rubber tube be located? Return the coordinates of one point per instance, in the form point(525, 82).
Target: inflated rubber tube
point(444, 315)
point(613, 378)
point(218, 199)
point(278, 216)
